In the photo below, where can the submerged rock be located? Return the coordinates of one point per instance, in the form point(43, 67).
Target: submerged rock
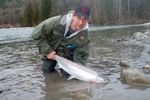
point(148, 52)
point(4, 88)
point(134, 76)
point(124, 63)
point(38, 66)
point(125, 38)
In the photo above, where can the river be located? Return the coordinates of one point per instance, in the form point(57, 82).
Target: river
point(21, 80)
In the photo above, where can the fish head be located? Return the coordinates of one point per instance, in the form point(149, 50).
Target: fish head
point(101, 79)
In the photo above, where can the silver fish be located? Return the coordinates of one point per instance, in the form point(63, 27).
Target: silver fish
point(79, 71)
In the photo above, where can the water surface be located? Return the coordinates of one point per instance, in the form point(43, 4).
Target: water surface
point(19, 80)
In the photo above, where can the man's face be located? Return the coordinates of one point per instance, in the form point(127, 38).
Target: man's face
point(78, 22)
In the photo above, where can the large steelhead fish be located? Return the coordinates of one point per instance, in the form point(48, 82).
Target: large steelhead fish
point(79, 71)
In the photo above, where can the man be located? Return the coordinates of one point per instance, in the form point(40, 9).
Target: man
point(65, 35)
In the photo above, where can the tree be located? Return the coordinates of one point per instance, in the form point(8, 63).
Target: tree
point(129, 9)
point(45, 9)
point(102, 11)
point(119, 10)
point(36, 12)
point(28, 15)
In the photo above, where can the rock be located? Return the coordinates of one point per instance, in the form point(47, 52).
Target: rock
point(147, 33)
point(125, 38)
point(139, 36)
point(146, 24)
point(38, 66)
point(119, 40)
point(134, 76)
point(146, 71)
point(4, 88)
point(124, 63)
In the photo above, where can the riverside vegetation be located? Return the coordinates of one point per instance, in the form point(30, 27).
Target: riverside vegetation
point(27, 13)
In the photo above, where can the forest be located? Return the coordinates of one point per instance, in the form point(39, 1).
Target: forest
point(28, 13)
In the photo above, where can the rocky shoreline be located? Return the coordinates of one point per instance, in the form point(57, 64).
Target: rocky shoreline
point(133, 75)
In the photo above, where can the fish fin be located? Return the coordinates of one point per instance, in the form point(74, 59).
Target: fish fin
point(57, 67)
point(70, 77)
point(59, 72)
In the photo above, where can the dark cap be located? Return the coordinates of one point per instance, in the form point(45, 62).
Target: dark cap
point(82, 10)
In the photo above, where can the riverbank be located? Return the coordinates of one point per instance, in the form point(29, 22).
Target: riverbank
point(123, 22)
point(10, 25)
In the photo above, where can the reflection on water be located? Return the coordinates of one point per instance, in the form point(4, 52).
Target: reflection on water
point(75, 89)
point(20, 80)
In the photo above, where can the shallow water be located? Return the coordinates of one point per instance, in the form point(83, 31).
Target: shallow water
point(20, 80)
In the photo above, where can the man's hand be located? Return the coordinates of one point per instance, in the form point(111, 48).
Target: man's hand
point(51, 55)
point(91, 81)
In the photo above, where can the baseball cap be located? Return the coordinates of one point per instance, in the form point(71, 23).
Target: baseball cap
point(82, 10)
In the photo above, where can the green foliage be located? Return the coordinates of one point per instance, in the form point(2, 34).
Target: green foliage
point(31, 15)
point(21, 21)
point(2, 3)
point(102, 11)
point(18, 1)
point(128, 22)
point(108, 6)
point(28, 15)
point(36, 13)
point(45, 9)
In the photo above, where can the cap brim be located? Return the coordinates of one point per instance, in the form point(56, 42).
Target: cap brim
point(82, 14)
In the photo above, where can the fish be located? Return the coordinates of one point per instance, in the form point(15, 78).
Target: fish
point(79, 71)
